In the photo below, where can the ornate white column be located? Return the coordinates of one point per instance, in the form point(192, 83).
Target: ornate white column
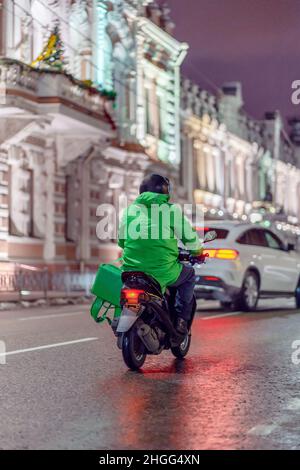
point(99, 26)
point(188, 160)
point(4, 181)
point(140, 102)
point(2, 29)
point(20, 199)
point(39, 194)
point(49, 244)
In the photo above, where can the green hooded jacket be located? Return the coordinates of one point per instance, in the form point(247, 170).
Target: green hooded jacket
point(149, 234)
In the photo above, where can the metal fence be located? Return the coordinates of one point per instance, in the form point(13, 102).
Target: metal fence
point(28, 280)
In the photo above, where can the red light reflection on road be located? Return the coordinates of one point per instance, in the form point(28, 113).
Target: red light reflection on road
point(195, 403)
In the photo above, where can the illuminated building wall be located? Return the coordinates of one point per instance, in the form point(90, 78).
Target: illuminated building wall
point(137, 55)
point(224, 163)
point(233, 164)
point(64, 147)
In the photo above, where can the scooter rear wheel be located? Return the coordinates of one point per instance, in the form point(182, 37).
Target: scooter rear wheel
point(133, 350)
point(181, 351)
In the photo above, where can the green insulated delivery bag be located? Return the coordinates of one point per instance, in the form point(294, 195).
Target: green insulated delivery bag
point(107, 288)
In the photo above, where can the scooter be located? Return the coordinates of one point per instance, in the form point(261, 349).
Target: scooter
point(147, 324)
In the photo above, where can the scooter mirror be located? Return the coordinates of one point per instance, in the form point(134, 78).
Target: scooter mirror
point(209, 236)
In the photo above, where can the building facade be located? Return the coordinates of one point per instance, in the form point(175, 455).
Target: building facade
point(222, 152)
point(89, 101)
point(236, 166)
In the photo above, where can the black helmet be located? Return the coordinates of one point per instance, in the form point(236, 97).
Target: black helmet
point(155, 184)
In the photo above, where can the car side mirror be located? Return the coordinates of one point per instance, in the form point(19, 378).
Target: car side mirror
point(209, 236)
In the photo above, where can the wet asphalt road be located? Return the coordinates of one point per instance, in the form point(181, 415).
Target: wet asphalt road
point(237, 389)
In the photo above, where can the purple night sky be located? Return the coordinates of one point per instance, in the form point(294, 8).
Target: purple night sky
point(256, 42)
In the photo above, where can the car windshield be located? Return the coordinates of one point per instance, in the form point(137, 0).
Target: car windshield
point(221, 232)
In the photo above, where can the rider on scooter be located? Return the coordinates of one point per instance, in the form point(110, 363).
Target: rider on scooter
point(154, 248)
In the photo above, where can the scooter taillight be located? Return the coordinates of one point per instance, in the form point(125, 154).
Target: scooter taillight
point(132, 296)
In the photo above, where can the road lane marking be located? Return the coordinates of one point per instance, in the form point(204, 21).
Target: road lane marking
point(48, 346)
point(231, 314)
point(41, 317)
point(263, 429)
point(293, 404)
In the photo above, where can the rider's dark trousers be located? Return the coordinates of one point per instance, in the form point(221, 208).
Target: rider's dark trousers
point(185, 291)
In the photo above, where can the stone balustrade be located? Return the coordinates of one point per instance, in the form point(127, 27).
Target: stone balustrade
point(14, 75)
point(19, 79)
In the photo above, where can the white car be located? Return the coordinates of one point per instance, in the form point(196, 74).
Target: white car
point(245, 263)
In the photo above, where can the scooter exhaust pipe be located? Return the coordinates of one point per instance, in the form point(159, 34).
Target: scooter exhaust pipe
point(148, 337)
point(175, 337)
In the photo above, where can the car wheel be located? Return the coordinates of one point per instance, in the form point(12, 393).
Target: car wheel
point(297, 295)
point(250, 292)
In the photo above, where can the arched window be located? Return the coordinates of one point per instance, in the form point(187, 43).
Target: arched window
point(75, 41)
point(80, 60)
point(108, 64)
point(18, 25)
point(105, 53)
point(201, 167)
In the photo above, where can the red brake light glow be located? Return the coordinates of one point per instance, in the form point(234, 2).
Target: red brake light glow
point(131, 295)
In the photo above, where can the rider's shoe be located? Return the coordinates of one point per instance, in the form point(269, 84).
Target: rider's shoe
point(181, 326)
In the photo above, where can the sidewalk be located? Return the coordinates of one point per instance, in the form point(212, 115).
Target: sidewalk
point(10, 300)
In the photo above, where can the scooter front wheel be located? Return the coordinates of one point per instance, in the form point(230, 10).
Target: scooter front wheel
point(181, 351)
point(133, 350)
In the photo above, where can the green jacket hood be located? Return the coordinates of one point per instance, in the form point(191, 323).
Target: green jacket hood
point(149, 198)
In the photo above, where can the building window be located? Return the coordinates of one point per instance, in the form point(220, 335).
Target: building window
point(149, 127)
point(162, 117)
point(152, 109)
point(21, 202)
point(127, 100)
point(31, 204)
point(202, 168)
point(181, 166)
point(69, 230)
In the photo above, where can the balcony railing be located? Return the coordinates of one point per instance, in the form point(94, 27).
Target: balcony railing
point(50, 86)
point(31, 281)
